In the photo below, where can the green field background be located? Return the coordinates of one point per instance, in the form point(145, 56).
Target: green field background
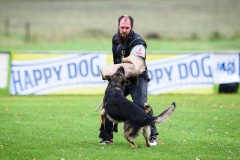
point(68, 25)
point(61, 19)
point(206, 25)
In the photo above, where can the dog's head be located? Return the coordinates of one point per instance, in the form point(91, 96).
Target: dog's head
point(118, 78)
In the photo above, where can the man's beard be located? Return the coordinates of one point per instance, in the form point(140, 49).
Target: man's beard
point(123, 39)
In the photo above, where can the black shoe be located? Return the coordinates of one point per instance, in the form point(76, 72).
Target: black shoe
point(106, 141)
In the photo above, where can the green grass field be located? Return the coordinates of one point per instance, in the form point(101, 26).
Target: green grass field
point(66, 127)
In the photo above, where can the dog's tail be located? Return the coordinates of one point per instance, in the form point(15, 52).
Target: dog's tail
point(165, 114)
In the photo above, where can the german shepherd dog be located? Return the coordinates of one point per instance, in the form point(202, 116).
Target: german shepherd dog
point(117, 108)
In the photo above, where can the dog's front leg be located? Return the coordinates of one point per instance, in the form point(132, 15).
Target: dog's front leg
point(115, 127)
point(102, 118)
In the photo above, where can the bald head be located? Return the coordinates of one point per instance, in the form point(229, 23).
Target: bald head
point(126, 18)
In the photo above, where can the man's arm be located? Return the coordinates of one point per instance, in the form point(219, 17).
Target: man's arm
point(139, 50)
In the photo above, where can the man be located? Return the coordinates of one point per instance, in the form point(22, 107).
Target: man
point(124, 43)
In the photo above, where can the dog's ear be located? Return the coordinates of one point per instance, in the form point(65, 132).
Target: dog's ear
point(109, 78)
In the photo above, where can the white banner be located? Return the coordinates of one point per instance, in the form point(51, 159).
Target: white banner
point(189, 71)
point(225, 68)
point(79, 73)
point(48, 75)
point(3, 69)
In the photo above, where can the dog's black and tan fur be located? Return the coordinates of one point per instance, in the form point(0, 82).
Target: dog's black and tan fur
point(117, 108)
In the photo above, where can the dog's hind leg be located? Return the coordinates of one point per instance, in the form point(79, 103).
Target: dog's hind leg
point(130, 133)
point(146, 134)
point(130, 140)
